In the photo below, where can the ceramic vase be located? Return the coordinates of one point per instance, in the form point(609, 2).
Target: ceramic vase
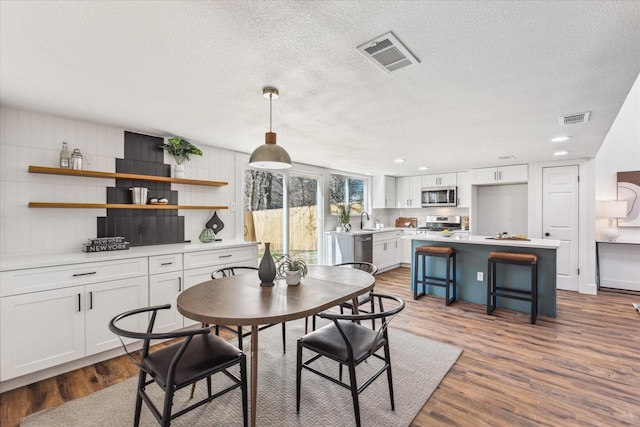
point(293, 277)
point(207, 236)
point(178, 171)
point(267, 268)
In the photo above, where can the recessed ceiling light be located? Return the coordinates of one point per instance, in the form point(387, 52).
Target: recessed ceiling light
point(562, 138)
point(399, 160)
point(560, 153)
point(423, 168)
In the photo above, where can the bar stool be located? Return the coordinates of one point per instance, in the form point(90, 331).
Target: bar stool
point(494, 291)
point(449, 281)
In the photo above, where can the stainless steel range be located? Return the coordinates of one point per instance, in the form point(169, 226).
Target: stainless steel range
point(439, 223)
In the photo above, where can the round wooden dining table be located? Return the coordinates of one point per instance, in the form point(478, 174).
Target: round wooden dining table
point(239, 300)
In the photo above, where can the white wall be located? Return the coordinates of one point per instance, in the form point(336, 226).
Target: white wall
point(502, 208)
point(29, 138)
point(619, 152)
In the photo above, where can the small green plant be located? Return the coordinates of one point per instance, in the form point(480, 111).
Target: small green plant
point(345, 215)
point(180, 149)
point(289, 263)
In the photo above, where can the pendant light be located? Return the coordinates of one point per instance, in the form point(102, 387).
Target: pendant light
point(269, 155)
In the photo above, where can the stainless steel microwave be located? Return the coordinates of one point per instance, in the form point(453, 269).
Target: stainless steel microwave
point(439, 196)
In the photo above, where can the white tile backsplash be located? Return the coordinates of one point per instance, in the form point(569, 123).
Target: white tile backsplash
point(30, 138)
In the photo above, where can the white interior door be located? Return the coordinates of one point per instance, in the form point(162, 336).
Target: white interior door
point(560, 220)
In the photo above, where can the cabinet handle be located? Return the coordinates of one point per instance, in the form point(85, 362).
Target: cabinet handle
point(91, 300)
point(225, 256)
point(84, 274)
point(167, 263)
point(495, 176)
point(500, 176)
point(79, 303)
point(179, 284)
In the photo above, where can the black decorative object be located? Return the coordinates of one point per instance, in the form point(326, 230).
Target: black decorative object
point(267, 268)
point(215, 223)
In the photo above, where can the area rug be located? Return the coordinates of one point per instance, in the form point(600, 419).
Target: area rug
point(418, 367)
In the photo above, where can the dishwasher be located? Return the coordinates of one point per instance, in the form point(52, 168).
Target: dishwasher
point(363, 247)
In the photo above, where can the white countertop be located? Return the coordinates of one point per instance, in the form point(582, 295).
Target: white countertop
point(485, 240)
point(17, 262)
point(358, 231)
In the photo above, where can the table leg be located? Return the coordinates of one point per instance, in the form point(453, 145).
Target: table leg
point(254, 373)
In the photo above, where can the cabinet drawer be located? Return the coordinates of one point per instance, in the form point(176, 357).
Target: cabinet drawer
point(386, 236)
point(40, 279)
point(220, 257)
point(165, 263)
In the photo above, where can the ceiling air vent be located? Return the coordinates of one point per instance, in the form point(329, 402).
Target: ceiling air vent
point(388, 53)
point(575, 118)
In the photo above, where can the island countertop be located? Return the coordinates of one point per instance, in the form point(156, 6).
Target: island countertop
point(486, 240)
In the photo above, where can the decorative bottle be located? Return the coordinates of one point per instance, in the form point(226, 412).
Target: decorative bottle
point(65, 157)
point(267, 268)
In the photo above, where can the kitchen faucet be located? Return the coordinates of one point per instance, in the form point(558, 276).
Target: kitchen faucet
point(361, 220)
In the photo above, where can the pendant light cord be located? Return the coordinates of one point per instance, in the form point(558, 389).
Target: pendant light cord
point(270, 109)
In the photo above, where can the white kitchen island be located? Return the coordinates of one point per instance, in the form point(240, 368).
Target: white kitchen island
point(472, 254)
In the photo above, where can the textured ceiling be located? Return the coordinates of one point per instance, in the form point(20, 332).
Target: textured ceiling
point(492, 81)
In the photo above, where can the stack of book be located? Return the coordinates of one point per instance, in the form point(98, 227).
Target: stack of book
point(100, 244)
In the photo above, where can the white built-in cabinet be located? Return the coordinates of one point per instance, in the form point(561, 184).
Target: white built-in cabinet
point(439, 180)
point(70, 320)
point(58, 314)
point(515, 174)
point(384, 192)
point(409, 192)
point(464, 189)
point(165, 284)
point(386, 249)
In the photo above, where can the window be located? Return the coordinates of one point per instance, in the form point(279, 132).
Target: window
point(346, 189)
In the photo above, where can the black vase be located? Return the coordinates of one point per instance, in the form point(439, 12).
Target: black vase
point(267, 268)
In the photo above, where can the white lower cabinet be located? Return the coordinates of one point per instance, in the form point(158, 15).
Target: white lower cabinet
point(164, 289)
point(41, 330)
point(44, 329)
point(386, 249)
point(54, 315)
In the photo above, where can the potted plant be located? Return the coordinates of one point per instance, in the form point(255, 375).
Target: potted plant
point(293, 269)
point(180, 149)
point(344, 217)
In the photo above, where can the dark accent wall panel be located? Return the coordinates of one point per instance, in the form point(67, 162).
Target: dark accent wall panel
point(142, 155)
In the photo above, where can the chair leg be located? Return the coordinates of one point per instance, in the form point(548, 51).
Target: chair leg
point(284, 338)
point(387, 359)
point(243, 387)
point(142, 378)
point(298, 376)
point(208, 386)
point(168, 403)
point(534, 293)
point(240, 337)
point(354, 393)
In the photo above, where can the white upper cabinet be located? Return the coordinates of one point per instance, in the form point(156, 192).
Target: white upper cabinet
point(500, 175)
point(439, 180)
point(408, 191)
point(464, 189)
point(384, 192)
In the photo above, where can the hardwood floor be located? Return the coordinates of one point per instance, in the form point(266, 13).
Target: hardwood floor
point(579, 369)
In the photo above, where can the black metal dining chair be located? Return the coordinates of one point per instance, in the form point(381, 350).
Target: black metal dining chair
point(348, 342)
point(365, 298)
point(199, 355)
point(362, 299)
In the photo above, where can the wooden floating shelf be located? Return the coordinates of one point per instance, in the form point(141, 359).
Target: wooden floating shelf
point(118, 206)
point(117, 175)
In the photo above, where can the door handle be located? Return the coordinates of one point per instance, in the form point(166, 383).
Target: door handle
point(179, 284)
point(547, 234)
point(91, 300)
